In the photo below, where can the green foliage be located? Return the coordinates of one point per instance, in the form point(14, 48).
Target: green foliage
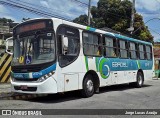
point(5, 20)
point(142, 32)
point(82, 19)
point(116, 14)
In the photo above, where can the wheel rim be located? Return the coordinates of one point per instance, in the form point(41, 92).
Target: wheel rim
point(89, 86)
point(140, 80)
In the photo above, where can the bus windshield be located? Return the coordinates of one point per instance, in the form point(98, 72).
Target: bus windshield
point(35, 49)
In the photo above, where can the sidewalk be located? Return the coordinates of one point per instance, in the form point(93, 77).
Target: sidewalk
point(155, 78)
point(5, 90)
point(5, 87)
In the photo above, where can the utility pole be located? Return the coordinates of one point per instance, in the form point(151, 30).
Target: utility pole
point(132, 16)
point(89, 13)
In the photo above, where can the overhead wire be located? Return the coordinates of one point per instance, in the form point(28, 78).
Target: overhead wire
point(22, 7)
point(115, 15)
point(31, 9)
point(12, 14)
point(80, 3)
point(40, 6)
point(49, 9)
point(154, 31)
point(45, 13)
point(36, 9)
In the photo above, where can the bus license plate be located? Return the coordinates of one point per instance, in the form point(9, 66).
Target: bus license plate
point(23, 87)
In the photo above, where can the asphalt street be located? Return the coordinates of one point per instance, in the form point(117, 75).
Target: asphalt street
point(112, 97)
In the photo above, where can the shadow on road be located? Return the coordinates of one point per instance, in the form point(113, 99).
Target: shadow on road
point(120, 87)
point(57, 98)
point(74, 95)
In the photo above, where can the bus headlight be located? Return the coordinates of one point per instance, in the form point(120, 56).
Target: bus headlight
point(12, 78)
point(43, 78)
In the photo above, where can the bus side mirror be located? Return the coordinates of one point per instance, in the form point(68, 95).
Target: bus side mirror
point(9, 52)
point(9, 45)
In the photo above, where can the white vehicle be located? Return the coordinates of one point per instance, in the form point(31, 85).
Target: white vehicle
point(54, 55)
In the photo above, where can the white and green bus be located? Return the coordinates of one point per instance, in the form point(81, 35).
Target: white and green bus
point(54, 56)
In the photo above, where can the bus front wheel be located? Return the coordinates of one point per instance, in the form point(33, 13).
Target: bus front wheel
point(88, 86)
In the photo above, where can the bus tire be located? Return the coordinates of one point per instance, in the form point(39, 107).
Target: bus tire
point(140, 80)
point(88, 86)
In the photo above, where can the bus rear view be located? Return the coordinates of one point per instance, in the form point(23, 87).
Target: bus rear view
point(34, 61)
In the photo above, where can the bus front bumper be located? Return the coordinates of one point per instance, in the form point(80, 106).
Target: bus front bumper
point(45, 87)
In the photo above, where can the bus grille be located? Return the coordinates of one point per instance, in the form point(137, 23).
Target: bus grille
point(28, 88)
point(29, 80)
point(26, 70)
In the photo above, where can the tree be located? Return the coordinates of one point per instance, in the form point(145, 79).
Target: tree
point(82, 19)
point(116, 14)
point(141, 31)
point(5, 20)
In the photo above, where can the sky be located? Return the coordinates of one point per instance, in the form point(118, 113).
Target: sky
point(70, 9)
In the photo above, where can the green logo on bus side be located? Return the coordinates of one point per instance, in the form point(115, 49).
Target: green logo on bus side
point(104, 68)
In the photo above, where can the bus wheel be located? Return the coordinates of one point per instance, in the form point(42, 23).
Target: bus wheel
point(88, 86)
point(140, 80)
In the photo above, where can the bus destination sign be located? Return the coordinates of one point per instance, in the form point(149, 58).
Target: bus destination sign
point(31, 27)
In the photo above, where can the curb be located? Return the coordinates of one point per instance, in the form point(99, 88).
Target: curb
point(155, 78)
point(5, 94)
point(16, 96)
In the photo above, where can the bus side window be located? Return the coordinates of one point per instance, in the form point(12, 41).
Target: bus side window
point(68, 42)
point(137, 50)
point(148, 52)
point(123, 49)
point(69, 45)
point(110, 48)
point(132, 48)
point(91, 44)
point(141, 51)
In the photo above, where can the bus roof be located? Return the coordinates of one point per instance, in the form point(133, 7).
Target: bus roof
point(95, 30)
point(131, 39)
point(105, 32)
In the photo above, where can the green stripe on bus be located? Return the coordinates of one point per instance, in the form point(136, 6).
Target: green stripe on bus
point(86, 61)
point(97, 61)
point(88, 28)
point(138, 64)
